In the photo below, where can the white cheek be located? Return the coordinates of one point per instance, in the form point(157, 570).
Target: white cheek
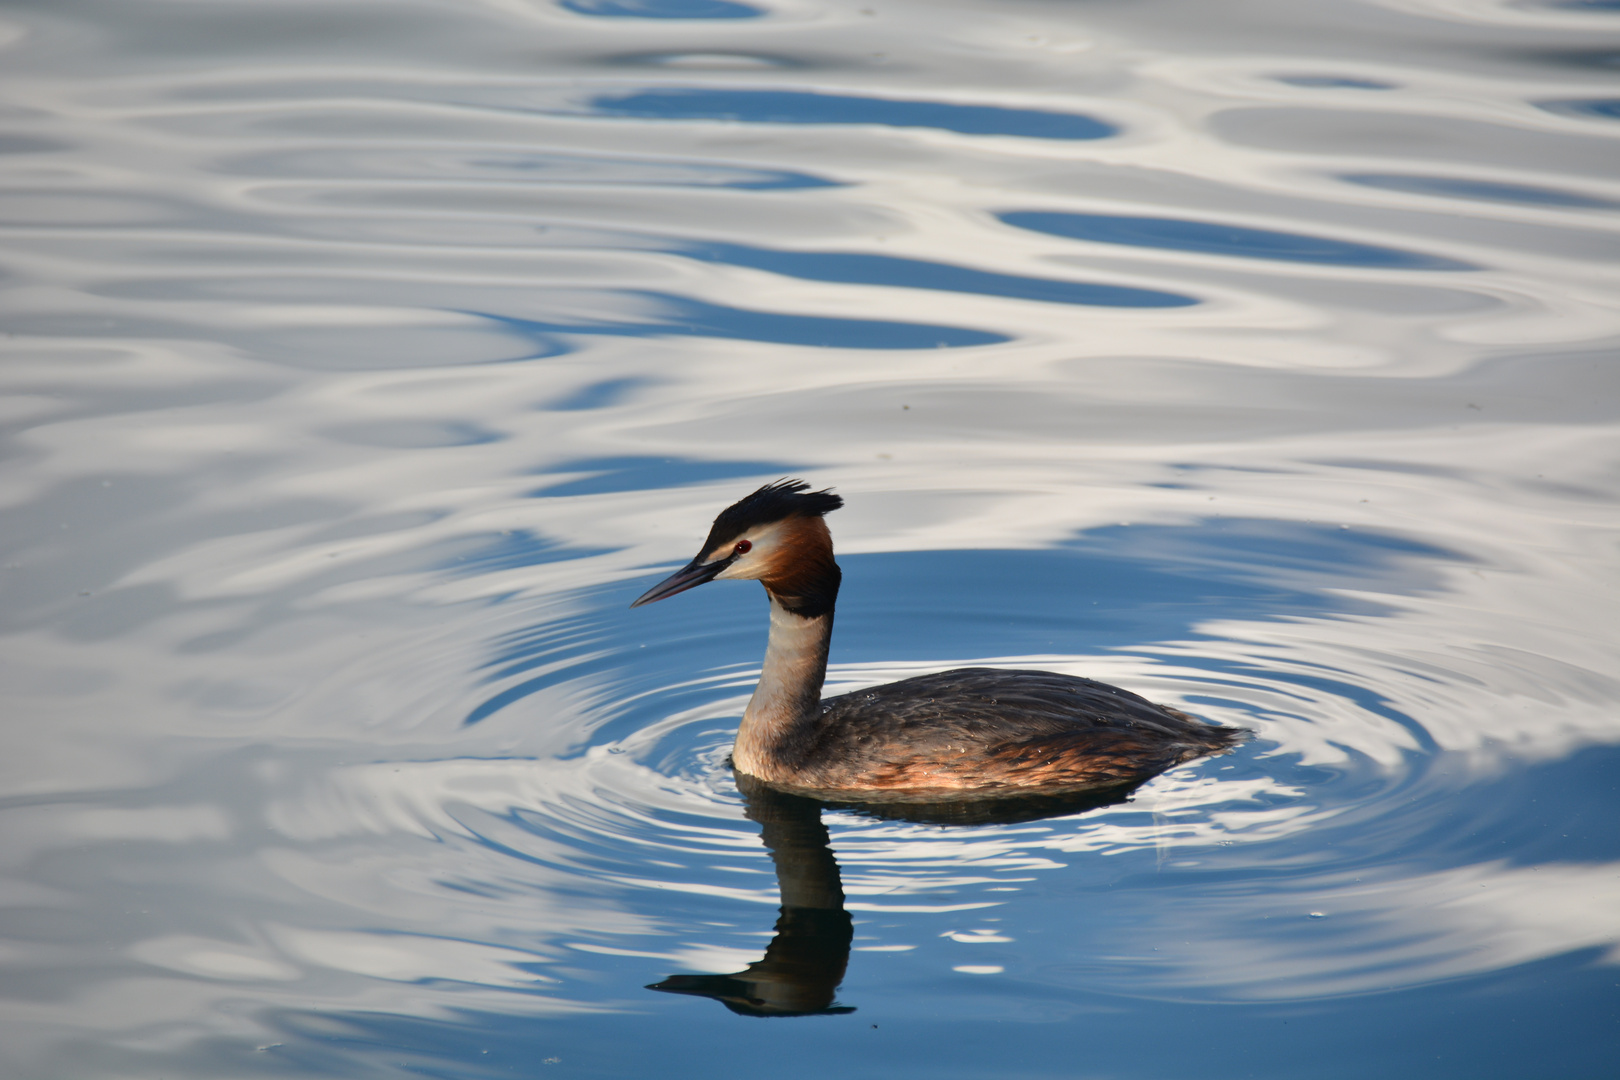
point(757, 563)
point(747, 568)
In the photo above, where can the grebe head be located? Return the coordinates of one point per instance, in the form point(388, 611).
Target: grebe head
point(775, 536)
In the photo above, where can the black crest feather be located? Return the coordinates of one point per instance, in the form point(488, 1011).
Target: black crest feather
point(774, 502)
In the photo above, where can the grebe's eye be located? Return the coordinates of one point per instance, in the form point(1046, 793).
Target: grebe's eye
point(743, 547)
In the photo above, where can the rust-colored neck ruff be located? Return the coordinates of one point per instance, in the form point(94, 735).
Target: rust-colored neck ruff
point(802, 576)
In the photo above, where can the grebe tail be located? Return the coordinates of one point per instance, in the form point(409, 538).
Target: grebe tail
point(967, 733)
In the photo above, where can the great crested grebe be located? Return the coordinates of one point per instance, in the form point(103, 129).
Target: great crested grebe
point(967, 733)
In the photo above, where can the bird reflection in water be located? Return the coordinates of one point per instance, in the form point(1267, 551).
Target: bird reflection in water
point(963, 747)
point(805, 962)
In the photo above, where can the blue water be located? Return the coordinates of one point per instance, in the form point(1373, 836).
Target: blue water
point(362, 364)
point(790, 107)
point(1218, 239)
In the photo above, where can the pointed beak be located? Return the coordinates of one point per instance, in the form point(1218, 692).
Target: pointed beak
point(689, 576)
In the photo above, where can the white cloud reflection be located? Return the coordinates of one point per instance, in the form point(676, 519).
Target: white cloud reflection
point(1390, 932)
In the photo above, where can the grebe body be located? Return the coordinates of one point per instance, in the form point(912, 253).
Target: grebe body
point(967, 733)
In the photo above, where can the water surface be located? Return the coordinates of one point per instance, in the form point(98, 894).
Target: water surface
point(364, 362)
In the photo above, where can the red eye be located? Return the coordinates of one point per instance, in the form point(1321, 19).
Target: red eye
point(743, 547)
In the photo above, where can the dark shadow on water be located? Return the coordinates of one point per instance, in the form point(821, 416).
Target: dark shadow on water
point(805, 107)
point(1458, 187)
point(1216, 238)
point(806, 960)
point(1601, 108)
point(661, 9)
point(855, 268)
point(665, 315)
point(1334, 82)
point(598, 395)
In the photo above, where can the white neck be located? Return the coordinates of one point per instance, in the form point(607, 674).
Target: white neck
point(788, 694)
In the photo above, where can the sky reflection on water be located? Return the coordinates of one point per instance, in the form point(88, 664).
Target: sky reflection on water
point(360, 371)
